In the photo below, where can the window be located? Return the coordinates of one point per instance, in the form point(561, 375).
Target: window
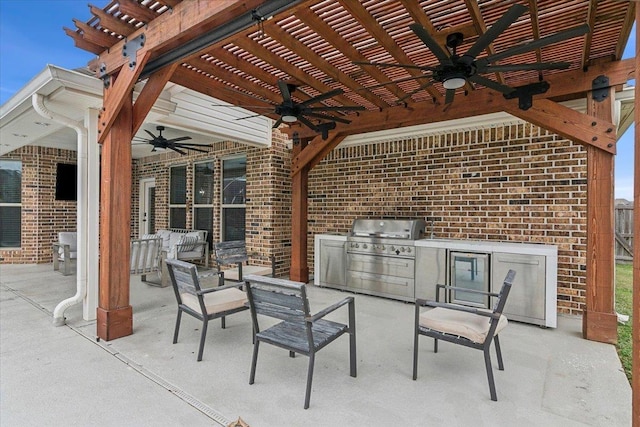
point(234, 190)
point(10, 203)
point(203, 198)
point(178, 197)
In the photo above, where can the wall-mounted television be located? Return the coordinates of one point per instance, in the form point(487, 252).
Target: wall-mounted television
point(66, 181)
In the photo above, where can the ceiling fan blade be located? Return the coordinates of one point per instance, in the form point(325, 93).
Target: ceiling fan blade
point(448, 96)
point(525, 67)
point(328, 117)
point(405, 79)
point(410, 94)
point(308, 124)
point(388, 64)
point(177, 150)
point(182, 138)
point(554, 38)
point(322, 97)
point(431, 43)
point(152, 135)
point(496, 29)
point(344, 108)
point(262, 107)
point(277, 123)
point(284, 90)
point(190, 148)
point(248, 117)
point(492, 84)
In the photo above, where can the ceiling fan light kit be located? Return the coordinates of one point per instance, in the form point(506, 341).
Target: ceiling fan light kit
point(455, 82)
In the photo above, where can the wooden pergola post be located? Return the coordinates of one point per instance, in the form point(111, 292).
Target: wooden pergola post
point(299, 270)
point(635, 315)
point(599, 320)
point(114, 313)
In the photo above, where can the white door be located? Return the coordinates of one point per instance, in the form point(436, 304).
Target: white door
point(147, 206)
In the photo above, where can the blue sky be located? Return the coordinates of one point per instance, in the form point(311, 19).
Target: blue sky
point(31, 37)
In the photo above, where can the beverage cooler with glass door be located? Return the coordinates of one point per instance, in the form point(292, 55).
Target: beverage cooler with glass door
point(469, 270)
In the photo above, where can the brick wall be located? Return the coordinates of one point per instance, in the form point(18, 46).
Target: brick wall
point(514, 183)
point(42, 216)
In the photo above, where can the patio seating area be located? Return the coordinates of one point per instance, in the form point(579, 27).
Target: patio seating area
point(552, 377)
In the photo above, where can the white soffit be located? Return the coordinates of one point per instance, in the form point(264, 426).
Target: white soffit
point(197, 112)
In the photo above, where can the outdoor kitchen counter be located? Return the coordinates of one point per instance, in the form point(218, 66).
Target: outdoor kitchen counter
point(489, 246)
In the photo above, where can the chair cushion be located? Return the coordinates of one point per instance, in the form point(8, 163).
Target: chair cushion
point(460, 323)
point(216, 302)
point(232, 273)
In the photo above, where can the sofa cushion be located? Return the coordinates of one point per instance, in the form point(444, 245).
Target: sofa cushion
point(188, 242)
point(165, 234)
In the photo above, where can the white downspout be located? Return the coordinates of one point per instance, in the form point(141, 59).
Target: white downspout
point(58, 313)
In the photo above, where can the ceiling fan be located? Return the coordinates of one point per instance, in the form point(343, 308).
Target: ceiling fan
point(454, 70)
point(160, 142)
point(305, 112)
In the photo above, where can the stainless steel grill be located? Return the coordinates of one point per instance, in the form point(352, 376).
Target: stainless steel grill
point(381, 256)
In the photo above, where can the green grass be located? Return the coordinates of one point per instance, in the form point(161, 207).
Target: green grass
point(624, 294)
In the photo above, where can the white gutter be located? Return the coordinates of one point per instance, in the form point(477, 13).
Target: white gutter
point(82, 208)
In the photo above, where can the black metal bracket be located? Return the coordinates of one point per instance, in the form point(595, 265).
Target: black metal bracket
point(130, 49)
point(102, 73)
point(600, 88)
point(296, 138)
point(324, 128)
point(525, 93)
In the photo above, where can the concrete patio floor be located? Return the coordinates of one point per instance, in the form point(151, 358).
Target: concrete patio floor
point(63, 376)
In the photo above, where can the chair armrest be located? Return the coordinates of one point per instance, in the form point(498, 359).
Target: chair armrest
point(65, 247)
point(458, 307)
point(329, 309)
point(475, 291)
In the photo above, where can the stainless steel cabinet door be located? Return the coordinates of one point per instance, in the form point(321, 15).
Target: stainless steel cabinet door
point(332, 263)
point(431, 270)
point(527, 298)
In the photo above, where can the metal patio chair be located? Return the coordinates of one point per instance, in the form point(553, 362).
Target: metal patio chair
point(468, 326)
point(299, 331)
point(203, 304)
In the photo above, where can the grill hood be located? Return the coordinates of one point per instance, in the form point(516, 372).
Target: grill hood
point(408, 229)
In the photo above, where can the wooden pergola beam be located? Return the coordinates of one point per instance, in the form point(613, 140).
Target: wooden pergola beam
point(118, 94)
point(149, 95)
point(188, 20)
point(578, 82)
point(595, 131)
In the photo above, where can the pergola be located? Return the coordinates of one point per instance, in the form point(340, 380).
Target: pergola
point(237, 51)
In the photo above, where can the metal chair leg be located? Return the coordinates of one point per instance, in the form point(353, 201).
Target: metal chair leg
point(415, 354)
point(435, 345)
point(175, 333)
point(499, 353)
point(254, 361)
point(203, 335)
point(492, 386)
point(292, 354)
point(307, 397)
point(222, 322)
point(352, 341)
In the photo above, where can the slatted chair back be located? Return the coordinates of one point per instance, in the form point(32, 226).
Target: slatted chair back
point(279, 299)
point(231, 252)
point(146, 255)
point(500, 302)
point(184, 277)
